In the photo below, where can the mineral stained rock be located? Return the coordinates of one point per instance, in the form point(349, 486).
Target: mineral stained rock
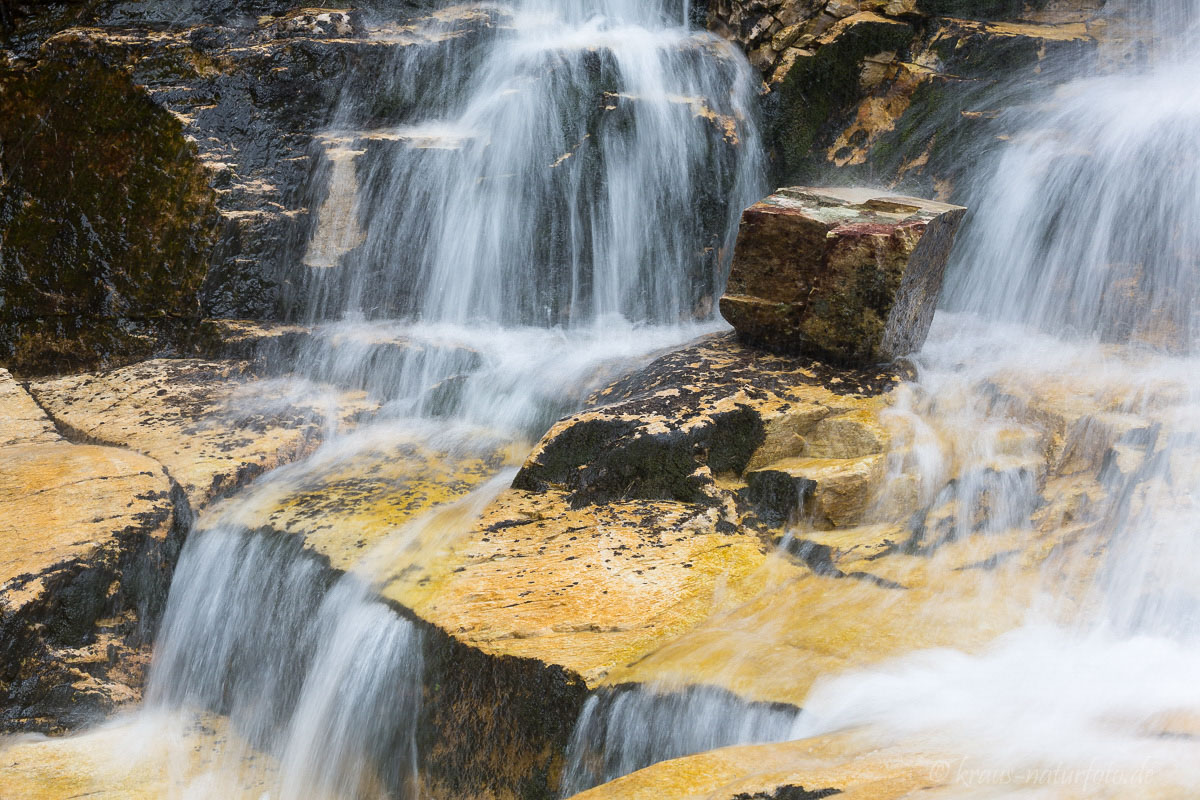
point(849, 275)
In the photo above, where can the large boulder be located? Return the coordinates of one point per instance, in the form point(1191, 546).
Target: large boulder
point(850, 275)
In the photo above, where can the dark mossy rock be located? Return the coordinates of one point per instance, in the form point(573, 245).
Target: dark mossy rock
point(106, 218)
point(824, 85)
point(672, 429)
point(903, 94)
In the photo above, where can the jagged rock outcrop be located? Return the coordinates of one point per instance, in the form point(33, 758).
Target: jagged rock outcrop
point(901, 92)
point(848, 275)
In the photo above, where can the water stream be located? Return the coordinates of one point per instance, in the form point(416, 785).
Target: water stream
point(1076, 283)
point(558, 207)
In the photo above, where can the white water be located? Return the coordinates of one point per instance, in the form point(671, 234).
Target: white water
point(1086, 231)
point(557, 209)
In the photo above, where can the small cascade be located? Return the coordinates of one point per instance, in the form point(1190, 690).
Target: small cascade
point(553, 205)
point(624, 730)
point(1086, 226)
point(319, 674)
point(594, 168)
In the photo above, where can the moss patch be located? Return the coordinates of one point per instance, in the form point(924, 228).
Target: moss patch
point(106, 218)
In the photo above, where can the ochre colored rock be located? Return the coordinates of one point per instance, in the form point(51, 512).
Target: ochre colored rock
point(850, 275)
point(208, 422)
point(859, 765)
point(87, 537)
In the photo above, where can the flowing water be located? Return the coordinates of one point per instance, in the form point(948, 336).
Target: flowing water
point(493, 242)
point(1074, 287)
point(1078, 279)
point(558, 204)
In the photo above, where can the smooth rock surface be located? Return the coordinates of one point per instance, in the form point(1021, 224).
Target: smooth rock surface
point(87, 539)
point(208, 422)
point(849, 275)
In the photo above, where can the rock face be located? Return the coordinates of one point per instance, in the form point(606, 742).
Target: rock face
point(849, 275)
point(901, 92)
point(87, 539)
point(160, 162)
point(106, 218)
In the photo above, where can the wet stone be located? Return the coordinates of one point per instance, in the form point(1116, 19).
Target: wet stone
point(849, 275)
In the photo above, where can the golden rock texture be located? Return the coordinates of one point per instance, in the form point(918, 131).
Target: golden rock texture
point(86, 536)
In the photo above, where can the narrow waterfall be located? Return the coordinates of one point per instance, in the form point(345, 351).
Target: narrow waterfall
point(562, 202)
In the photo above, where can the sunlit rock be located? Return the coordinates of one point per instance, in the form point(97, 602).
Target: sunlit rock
point(87, 540)
point(209, 423)
point(859, 765)
point(850, 275)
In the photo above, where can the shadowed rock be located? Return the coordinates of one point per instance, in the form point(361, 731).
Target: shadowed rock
point(849, 275)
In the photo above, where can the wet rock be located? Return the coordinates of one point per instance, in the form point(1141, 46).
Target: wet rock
point(88, 537)
point(200, 122)
point(106, 218)
point(144, 758)
point(671, 431)
point(903, 92)
point(851, 275)
point(860, 765)
point(209, 423)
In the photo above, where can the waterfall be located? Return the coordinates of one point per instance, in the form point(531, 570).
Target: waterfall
point(1087, 225)
point(578, 184)
point(1079, 275)
point(533, 218)
point(624, 730)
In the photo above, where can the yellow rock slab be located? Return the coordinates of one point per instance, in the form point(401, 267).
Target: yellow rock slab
point(855, 765)
point(21, 421)
point(349, 501)
point(62, 503)
point(588, 588)
point(207, 422)
point(137, 759)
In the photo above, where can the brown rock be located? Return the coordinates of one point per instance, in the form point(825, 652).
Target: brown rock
point(851, 275)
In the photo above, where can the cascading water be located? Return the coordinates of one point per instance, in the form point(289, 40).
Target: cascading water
point(559, 204)
point(1076, 282)
point(1078, 277)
